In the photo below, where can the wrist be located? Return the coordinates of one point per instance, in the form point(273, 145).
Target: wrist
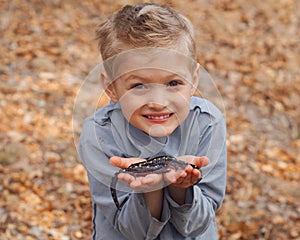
point(154, 201)
point(178, 194)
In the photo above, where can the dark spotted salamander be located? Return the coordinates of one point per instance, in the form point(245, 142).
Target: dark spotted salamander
point(156, 165)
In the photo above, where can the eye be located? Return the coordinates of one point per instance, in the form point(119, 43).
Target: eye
point(174, 83)
point(138, 86)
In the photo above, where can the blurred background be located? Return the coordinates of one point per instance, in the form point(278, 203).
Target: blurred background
point(250, 48)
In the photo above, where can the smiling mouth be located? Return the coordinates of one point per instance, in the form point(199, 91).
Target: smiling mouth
point(159, 117)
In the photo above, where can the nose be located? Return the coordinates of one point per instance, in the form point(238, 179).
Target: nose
point(157, 97)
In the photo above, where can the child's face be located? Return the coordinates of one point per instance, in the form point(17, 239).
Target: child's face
point(153, 100)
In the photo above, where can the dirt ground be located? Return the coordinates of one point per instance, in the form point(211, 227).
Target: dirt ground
point(251, 50)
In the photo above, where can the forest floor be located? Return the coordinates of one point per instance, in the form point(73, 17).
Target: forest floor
point(251, 50)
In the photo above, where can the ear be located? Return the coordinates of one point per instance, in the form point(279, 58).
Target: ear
point(195, 79)
point(108, 87)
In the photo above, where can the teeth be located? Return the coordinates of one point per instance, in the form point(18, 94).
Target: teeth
point(158, 117)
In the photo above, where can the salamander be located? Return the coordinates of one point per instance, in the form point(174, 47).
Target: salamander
point(161, 164)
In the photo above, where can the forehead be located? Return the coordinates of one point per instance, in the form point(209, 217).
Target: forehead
point(149, 58)
point(152, 75)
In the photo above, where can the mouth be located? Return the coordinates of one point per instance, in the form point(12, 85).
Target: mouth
point(158, 117)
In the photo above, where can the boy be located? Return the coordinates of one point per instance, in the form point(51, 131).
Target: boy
point(152, 113)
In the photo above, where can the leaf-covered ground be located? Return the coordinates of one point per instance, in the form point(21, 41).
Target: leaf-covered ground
point(250, 48)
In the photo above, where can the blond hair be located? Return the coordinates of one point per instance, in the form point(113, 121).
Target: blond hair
point(145, 25)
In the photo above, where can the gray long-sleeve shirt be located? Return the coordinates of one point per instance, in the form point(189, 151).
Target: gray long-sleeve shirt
point(107, 133)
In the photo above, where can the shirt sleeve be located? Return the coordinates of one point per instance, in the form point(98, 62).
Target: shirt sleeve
point(134, 221)
point(202, 200)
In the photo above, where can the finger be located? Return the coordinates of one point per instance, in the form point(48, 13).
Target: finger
point(197, 176)
point(184, 180)
point(137, 183)
point(196, 173)
point(189, 169)
point(194, 180)
point(150, 179)
point(126, 177)
point(186, 158)
point(181, 173)
point(196, 160)
point(200, 161)
point(189, 180)
point(148, 183)
point(172, 176)
point(124, 162)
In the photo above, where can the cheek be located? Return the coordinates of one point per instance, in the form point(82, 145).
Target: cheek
point(182, 106)
point(182, 101)
point(129, 106)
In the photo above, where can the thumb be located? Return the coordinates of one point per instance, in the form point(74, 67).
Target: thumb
point(124, 162)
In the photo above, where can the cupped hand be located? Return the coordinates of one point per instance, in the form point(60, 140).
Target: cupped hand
point(184, 178)
point(146, 183)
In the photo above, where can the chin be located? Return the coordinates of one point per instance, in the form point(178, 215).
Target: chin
point(158, 131)
point(158, 135)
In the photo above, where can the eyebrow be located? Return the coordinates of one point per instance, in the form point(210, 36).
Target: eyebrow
point(132, 76)
point(142, 78)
